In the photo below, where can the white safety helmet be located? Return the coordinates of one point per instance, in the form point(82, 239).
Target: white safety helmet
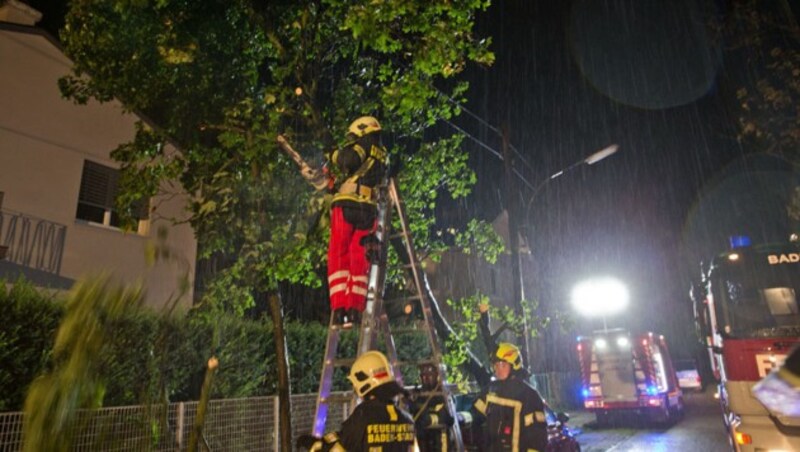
point(362, 126)
point(369, 371)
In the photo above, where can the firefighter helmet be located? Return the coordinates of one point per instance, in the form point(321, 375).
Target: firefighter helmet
point(362, 126)
point(510, 354)
point(369, 371)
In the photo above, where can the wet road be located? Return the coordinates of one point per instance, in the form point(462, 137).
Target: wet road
point(700, 430)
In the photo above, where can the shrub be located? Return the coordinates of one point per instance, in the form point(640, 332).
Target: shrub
point(149, 357)
point(27, 332)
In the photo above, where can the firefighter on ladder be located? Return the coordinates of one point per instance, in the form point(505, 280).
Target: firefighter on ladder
point(362, 161)
point(377, 423)
point(512, 409)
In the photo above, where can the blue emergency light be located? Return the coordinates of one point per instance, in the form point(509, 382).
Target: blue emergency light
point(585, 393)
point(739, 241)
point(652, 390)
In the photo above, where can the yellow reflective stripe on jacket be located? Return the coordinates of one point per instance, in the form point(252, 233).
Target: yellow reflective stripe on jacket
point(378, 153)
point(360, 151)
point(331, 437)
point(352, 191)
point(516, 405)
point(480, 405)
point(536, 416)
point(392, 412)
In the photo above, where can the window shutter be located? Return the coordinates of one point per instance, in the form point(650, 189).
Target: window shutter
point(99, 185)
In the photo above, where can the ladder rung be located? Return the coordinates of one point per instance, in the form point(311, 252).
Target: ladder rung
point(343, 362)
point(426, 394)
point(338, 398)
point(415, 326)
point(417, 362)
point(404, 299)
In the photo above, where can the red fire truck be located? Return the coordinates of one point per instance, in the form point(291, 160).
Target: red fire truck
point(746, 313)
point(628, 374)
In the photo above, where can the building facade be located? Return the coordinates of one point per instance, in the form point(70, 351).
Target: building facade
point(58, 221)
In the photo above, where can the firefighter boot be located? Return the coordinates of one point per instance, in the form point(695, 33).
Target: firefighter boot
point(372, 247)
point(341, 318)
point(354, 316)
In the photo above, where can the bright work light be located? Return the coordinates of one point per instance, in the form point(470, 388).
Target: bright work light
point(599, 297)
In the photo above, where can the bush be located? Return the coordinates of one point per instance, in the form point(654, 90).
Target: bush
point(27, 332)
point(151, 358)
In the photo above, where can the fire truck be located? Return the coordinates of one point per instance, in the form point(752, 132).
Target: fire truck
point(624, 373)
point(746, 314)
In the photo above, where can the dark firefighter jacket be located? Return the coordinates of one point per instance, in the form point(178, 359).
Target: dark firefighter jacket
point(375, 426)
point(433, 422)
point(514, 416)
point(363, 164)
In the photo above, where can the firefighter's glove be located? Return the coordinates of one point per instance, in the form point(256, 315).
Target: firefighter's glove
point(372, 247)
point(308, 442)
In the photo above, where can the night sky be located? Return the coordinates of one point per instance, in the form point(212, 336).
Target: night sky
point(572, 77)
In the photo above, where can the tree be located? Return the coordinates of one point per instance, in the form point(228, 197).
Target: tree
point(765, 35)
point(768, 37)
point(221, 78)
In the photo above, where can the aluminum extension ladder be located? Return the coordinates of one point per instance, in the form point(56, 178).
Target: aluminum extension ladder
point(375, 321)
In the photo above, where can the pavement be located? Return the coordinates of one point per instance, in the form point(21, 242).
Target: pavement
point(700, 430)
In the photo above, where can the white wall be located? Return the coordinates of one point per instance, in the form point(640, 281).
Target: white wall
point(44, 141)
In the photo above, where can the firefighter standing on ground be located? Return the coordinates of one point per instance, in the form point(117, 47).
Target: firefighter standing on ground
point(362, 162)
point(377, 423)
point(512, 408)
point(431, 416)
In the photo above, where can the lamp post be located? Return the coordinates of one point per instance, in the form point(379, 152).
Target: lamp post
point(513, 229)
point(600, 297)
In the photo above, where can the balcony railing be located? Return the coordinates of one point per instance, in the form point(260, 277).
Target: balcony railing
point(32, 242)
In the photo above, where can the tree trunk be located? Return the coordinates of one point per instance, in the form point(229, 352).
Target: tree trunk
point(196, 439)
point(282, 358)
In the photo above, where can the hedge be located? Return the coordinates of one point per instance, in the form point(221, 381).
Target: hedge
point(155, 358)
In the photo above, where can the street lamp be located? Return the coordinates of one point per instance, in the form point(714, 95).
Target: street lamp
point(516, 273)
point(600, 297)
point(590, 160)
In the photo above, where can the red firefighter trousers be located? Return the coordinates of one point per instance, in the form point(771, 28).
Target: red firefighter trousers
point(348, 267)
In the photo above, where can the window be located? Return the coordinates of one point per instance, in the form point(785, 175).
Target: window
point(96, 200)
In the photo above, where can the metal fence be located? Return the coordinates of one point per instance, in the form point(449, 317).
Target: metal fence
point(231, 425)
point(560, 389)
point(249, 424)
